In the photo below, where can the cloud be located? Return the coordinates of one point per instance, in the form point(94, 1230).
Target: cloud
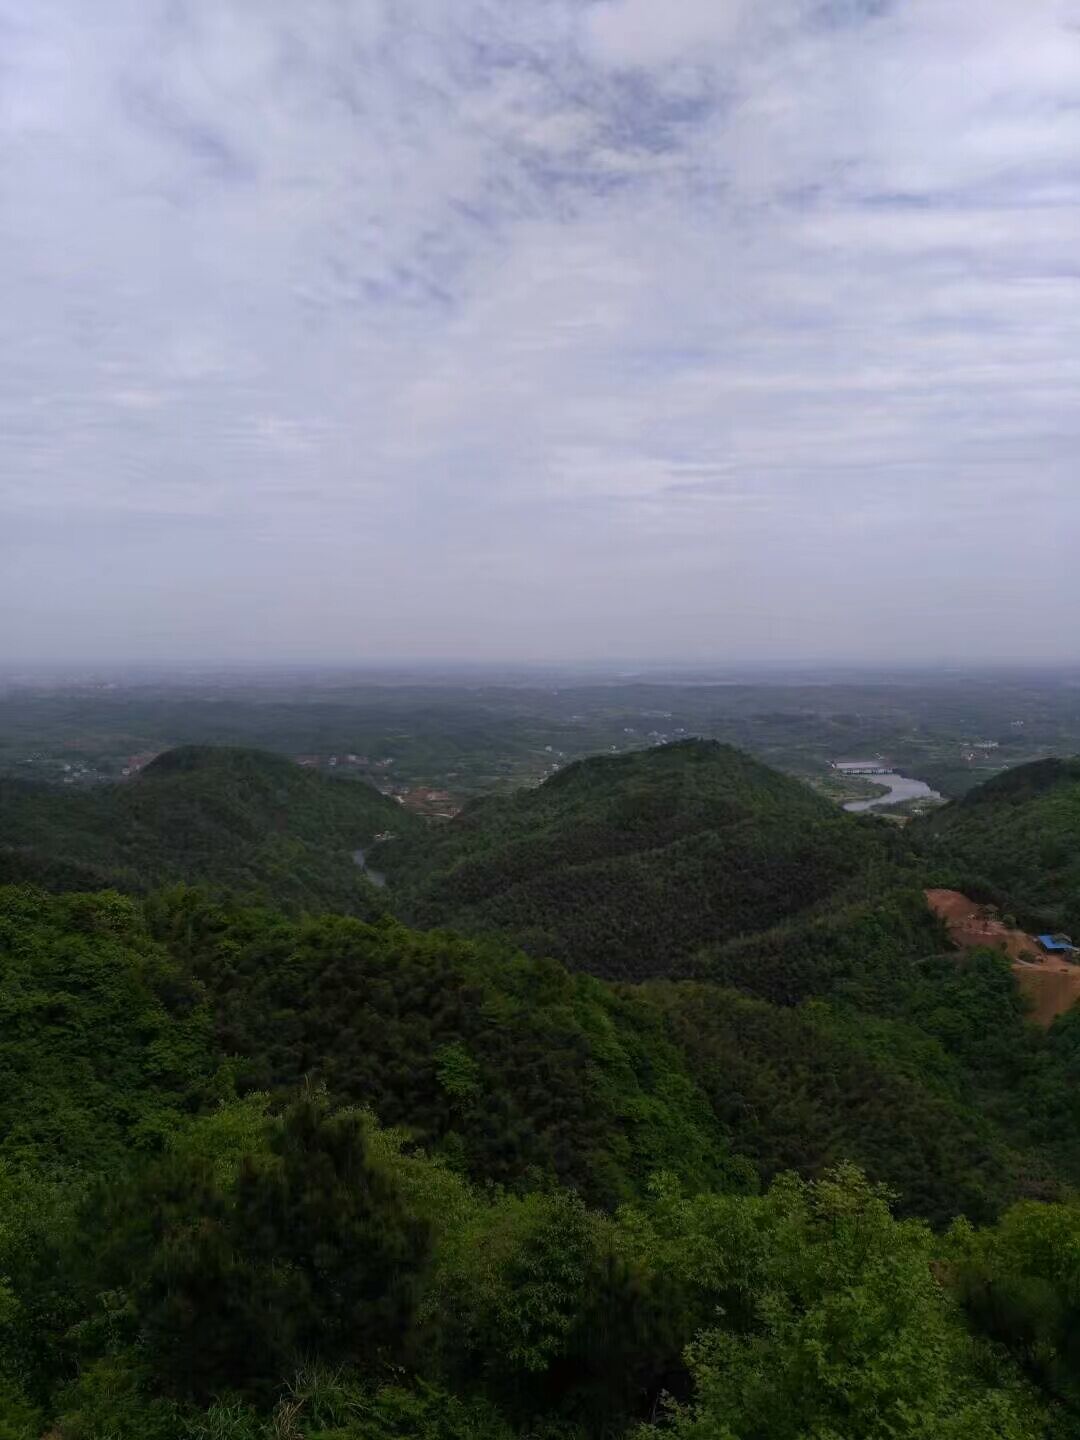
point(640, 34)
point(460, 319)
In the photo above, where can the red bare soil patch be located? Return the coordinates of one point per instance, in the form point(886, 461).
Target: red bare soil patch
point(1050, 983)
point(969, 926)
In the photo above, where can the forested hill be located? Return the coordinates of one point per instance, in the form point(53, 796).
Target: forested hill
point(622, 865)
point(585, 1207)
point(237, 819)
point(268, 1175)
point(1016, 840)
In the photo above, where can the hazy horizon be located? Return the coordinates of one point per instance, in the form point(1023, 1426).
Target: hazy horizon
point(823, 671)
point(561, 334)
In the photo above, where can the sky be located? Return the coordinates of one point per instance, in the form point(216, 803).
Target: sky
point(540, 330)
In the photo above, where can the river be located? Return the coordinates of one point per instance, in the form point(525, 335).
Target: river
point(901, 788)
point(375, 876)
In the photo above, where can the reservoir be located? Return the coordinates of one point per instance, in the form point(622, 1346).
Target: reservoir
point(900, 788)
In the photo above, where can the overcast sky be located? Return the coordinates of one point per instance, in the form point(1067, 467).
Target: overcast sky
point(539, 329)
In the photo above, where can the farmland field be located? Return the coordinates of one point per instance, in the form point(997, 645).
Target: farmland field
point(478, 732)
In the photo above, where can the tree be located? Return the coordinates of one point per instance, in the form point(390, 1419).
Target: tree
point(850, 1336)
point(535, 1301)
point(236, 1272)
point(1020, 1283)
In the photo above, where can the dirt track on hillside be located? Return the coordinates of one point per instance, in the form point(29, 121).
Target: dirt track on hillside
point(1051, 984)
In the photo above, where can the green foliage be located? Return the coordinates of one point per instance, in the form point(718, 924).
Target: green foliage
point(522, 1073)
point(623, 865)
point(1016, 841)
point(457, 1072)
point(103, 1043)
point(232, 1420)
point(331, 1405)
point(110, 1400)
point(19, 1419)
point(594, 1195)
point(859, 953)
point(802, 1089)
point(234, 1274)
point(534, 1299)
point(953, 1025)
point(843, 1330)
point(421, 1412)
point(240, 820)
point(37, 1218)
point(294, 1266)
point(1020, 1283)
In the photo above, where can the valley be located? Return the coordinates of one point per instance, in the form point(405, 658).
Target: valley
point(630, 1040)
point(492, 731)
point(539, 720)
point(900, 790)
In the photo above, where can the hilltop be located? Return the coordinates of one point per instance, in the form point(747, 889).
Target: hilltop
point(623, 865)
point(238, 819)
point(1014, 840)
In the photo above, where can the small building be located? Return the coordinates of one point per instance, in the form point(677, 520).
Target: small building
point(1057, 944)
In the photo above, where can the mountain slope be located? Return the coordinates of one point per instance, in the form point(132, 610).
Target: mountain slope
point(622, 865)
point(243, 820)
point(166, 1242)
point(104, 1043)
point(1015, 839)
point(118, 1017)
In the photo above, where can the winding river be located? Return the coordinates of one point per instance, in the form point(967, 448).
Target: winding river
point(901, 788)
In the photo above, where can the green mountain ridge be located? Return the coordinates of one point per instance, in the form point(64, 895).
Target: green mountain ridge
point(242, 820)
point(270, 1172)
point(623, 865)
point(1015, 840)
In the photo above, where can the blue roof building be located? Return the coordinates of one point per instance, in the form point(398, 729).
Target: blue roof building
point(1057, 944)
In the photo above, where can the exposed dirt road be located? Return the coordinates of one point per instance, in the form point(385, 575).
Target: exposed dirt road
point(1051, 984)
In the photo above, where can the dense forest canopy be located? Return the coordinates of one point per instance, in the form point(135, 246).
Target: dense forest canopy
point(270, 1171)
point(621, 865)
point(1017, 838)
point(238, 819)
